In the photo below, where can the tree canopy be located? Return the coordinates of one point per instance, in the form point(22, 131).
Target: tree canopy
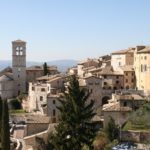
point(75, 128)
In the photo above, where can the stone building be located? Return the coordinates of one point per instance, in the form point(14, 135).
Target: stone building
point(19, 66)
point(39, 91)
point(121, 105)
point(122, 58)
point(142, 68)
point(13, 82)
point(6, 86)
point(34, 72)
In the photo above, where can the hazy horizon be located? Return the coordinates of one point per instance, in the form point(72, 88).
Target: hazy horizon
point(64, 29)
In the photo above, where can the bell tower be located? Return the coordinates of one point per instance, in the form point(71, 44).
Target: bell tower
point(19, 66)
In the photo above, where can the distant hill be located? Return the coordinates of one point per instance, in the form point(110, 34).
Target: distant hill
point(62, 65)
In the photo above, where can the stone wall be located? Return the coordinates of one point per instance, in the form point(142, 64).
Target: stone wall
point(136, 136)
point(34, 128)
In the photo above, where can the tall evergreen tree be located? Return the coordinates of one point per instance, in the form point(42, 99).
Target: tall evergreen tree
point(5, 134)
point(0, 117)
point(75, 128)
point(45, 68)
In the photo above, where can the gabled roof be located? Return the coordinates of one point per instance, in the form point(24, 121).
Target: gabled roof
point(6, 70)
point(4, 78)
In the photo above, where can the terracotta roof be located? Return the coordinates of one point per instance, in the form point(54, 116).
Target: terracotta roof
point(18, 41)
point(95, 69)
point(35, 68)
point(108, 70)
point(145, 50)
point(53, 79)
point(116, 107)
point(127, 68)
point(125, 51)
point(47, 77)
point(5, 70)
point(6, 78)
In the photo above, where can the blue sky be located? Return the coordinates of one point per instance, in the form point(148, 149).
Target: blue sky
point(73, 29)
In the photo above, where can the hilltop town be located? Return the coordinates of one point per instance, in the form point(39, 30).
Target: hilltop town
point(119, 84)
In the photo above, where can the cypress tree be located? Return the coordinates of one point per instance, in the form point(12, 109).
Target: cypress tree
point(5, 134)
point(0, 117)
point(45, 68)
point(75, 128)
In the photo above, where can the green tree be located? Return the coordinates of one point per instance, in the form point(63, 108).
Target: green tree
point(45, 68)
point(75, 128)
point(5, 134)
point(0, 117)
point(112, 130)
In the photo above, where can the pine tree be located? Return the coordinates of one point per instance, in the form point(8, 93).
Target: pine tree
point(5, 135)
point(45, 68)
point(75, 128)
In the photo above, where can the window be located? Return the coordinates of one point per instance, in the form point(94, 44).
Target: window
point(21, 48)
point(117, 82)
point(96, 83)
point(41, 98)
point(21, 53)
point(124, 104)
point(145, 57)
point(33, 88)
point(126, 80)
point(18, 76)
point(132, 74)
point(132, 80)
point(43, 89)
point(90, 83)
point(145, 67)
point(105, 83)
point(105, 77)
point(17, 53)
point(115, 88)
point(54, 112)
point(126, 73)
point(119, 63)
point(141, 68)
point(109, 87)
point(54, 102)
point(117, 77)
